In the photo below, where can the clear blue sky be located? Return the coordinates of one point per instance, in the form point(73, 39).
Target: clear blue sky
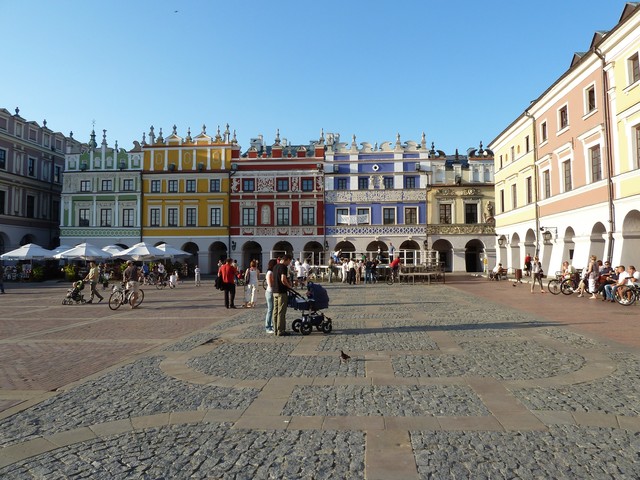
point(460, 71)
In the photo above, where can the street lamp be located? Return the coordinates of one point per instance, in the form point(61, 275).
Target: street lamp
point(547, 235)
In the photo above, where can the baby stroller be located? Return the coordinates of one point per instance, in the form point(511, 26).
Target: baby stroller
point(74, 295)
point(316, 299)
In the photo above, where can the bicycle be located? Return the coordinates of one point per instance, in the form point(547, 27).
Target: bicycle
point(627, 294)
point(121, 295)
point(394, 277)
point(554, 284)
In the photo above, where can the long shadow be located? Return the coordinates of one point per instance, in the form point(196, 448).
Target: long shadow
point(445, 328)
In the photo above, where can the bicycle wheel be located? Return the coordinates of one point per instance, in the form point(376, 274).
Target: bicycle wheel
point(160, 284)
point(566, 287)
point(391, 279)
point(554, 286)
point(625, 295)
point(139, 299)
point(115, 300)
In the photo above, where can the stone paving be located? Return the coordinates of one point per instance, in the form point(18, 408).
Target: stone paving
point(444, 381)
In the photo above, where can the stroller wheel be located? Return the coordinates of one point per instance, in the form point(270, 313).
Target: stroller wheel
point(295, 326)
point(305, 328)
point(327, 327)
point(319, 327)
point(64, 301)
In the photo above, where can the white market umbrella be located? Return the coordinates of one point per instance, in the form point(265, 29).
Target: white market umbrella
point(142, 251)
point(112, 249)
point(173, 251)
point(30, 251)
point(60, 249)
point(84, 251)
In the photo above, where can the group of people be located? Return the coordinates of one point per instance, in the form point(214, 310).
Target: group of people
point(601, 280)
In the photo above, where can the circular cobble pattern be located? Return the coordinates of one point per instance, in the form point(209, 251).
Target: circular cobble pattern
point(457, 330)
point(131, 391)
point(190, 343)
point(562, 452)
point(574, 340)
point(378, 340)
point(401, 401)
point(615, 394)
point(203, 451)
point(250, 361)
point(506, 360)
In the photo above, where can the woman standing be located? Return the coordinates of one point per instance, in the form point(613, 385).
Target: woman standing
point(251, 283)
point(536, 268)
point(593, 271)
point(268, 295)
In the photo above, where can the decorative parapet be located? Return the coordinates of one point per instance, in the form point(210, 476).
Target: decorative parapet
point(279, 231)
point(372, 230)
point(88, 232)
point(375, 196)
point(461, 229)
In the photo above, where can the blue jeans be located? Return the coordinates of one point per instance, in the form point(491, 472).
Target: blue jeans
point(268, 320)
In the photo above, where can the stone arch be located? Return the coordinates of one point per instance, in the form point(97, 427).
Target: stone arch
point(569, 244)
point(516, 257)
point(28, 238)
point(251, 251)
point(473, 254)
point(630, 238)
point(408, 252)
point(445, 254)
point(313, 251)
point(280, 248)
point(217, 253)
point(597, 240)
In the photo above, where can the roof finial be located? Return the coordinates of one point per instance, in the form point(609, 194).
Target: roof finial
point(44, 123)
point(277, 137)
point(175, 130)
point(17, 112)
point(188, 139)
point(321, 141)
point(204, 129)
point(423, 141)
point(218, 136)
point(234, 140)
point(104, 137)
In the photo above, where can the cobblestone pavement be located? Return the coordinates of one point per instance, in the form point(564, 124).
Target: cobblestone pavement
point(444, 381)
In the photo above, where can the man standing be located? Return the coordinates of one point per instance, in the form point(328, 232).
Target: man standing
point(130, 276)
point(229, 274)
point(281, 286)
point(392, 252)
point(92, 277)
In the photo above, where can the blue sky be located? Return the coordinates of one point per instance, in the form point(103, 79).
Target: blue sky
point(460, 71)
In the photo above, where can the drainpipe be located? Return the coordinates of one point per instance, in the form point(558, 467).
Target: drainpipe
point(140, 204)
point(535, 181)
point(607, 140)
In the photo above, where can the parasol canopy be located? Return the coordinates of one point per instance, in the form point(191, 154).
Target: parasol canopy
point(84, 251)
point(30, 251)
point(142, 251)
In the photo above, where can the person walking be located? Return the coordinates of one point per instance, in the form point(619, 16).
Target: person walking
point(251, 283)
point(92, 277)
point(536, 269)
point(268, 296)
point(130, 277)
point(229, 274)
point(196, 273)
point(281, 286)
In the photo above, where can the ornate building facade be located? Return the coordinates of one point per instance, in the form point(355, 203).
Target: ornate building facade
point(101, 195)
point(31, 168)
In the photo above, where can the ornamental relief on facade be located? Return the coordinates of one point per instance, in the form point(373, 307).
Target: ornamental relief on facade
point(476, 229)
point(278, 231)
point(368, 230)
point(265, 184)
point(295, 184)
point(371, 196)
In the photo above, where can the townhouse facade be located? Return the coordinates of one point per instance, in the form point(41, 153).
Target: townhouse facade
point(31, 168)
point(101, 195)
point(567, 168)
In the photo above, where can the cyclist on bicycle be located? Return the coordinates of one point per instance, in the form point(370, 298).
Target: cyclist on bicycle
point(395, 265)
point(130, 276)
point(161, 271)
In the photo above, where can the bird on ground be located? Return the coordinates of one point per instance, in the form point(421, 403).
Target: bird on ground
point(343, 357)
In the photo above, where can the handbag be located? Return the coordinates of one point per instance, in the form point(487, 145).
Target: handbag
point(218, 282)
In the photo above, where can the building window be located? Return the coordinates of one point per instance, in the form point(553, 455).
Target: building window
point(470, 213)
point(248, 217)
point(409, 182)
point(308, 216)
point(127, 185)
point(31, 169)
point(362, 216)
point(215, 217)
point(513, 153)
point(341, 184)
point(307, 185)
point(85, 185)
point(363, 183)
point(514, 196)
point(546, 183)
point(155, 186)
point(388, 183)
point(107, 185)
point(172, 217)
point(529, 190)
point(637, 139)
point(19, 130)
point(191, 186)
point(282, 217)
point(388, 216)
point(501, 163)
point(33, 135)
point(566, 175)
point(411, 216)
point(590, 99)
point(214, 185)
point(596, 164)
point(634, 69)
point(502, 201)
point(46, 139)
point(31, 206)
point(155, 217)
point(3, 199)
point(342, 216)
point(543, 131)
point(248, 185)
point(56, 174)
point(173, 186)
point(445, 213)
point(192, 217)
point(127, 217)
point(55, 209)
point(527, 145)
point(282, 185)
point(563, 118)
point(83, 217)
point(3, 159)
point(105, 217)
